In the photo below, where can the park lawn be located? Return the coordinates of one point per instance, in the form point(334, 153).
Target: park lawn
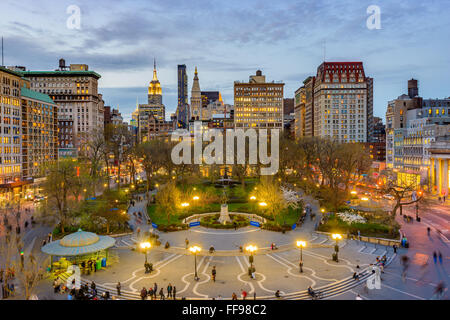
point(373, 228)
point(289, 216)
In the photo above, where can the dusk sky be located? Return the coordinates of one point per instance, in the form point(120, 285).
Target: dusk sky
point(229, 40)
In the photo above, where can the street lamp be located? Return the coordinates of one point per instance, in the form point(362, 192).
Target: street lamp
point(322, 210)
point(301, 245)
point(194, 250)
point(262, 204)
point(195, 198)
point(251, 249)
point(252, 198)
point(145, 246)
point(185, 204)
point(337, 237)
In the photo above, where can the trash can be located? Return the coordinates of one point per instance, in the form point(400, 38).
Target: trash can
point(98, 264)
point(104, 263)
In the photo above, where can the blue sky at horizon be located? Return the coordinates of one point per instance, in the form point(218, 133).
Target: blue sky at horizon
point(229, 40)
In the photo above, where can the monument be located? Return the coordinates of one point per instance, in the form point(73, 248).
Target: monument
point(224, 216)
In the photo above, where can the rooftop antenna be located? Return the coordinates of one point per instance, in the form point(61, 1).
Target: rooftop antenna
point(3, 62)
point(324, 50)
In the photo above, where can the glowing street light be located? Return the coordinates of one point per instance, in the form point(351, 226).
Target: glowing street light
point(301, 245)
point(262, 204)
point(195, 198)
point(322, 210)
point(336, 237)
point(252, 198)
point(194, 250)
point(145, 246)
point(353, 192)
point(185, 204)
point(251, 248)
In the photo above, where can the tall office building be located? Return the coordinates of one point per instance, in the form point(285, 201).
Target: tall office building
point(338, 103)
point(304, 106)
point(258, 104)
point(75, 90)
point(154, 107)
point(28, 138)
point(196, 99)
point(182, 113)
point(342, 101)
point(11, 135)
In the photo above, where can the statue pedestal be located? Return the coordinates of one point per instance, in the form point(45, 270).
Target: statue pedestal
point(224, 216)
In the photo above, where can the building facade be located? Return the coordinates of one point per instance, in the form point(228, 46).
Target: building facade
point(196, 99)
point(39, 132)
point(413, 126)
point(75, 90)
point(154, 108)
point(258, 104)
point(10, 135)
point(182, 113)
point(342, 102)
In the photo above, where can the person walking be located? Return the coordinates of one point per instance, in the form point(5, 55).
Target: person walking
point(428, 231)
point(395, 248)
point(161, 294)
point(169, 291)
point(155, 290)
point(150, 293)
point(174, 291)
point(186, 241)
point(234, 296)
point(435, 257)
point(118, 287)
point(213, 273)
point(358, 297)
point(243, 294)
point(143, 293)
point(440, 257)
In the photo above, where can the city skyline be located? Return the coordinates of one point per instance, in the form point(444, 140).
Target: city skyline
point(272, 39)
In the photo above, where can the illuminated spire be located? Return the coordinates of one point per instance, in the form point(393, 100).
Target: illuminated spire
point(155, 78)
point(155, 86)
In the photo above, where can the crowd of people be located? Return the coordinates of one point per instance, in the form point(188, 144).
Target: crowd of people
point(152, 293)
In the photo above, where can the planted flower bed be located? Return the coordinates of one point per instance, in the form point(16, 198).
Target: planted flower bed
point(213, 222)
point(370, 224)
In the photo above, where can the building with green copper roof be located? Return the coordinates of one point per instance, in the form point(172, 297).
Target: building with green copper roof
point(27, 93)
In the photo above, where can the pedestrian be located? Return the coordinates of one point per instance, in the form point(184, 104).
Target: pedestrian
point(435, 257)
point(150, 293)
point(234, 296)
point(395, 248)
point(440, 201)
point(214, 272)
point(358, 297)
point(243, 294)
point(143, 293)
point(440, 257)
point(187, 242)
point(428, 230)
point(277, 294)
point(169, 291)
point(155, 290)
point(235, 225)
point(174, 291)
point(118, 287)
point(161, 294)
